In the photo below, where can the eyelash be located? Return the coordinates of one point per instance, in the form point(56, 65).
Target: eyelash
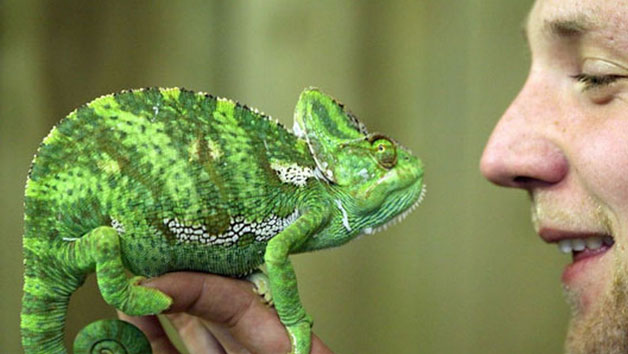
point(596, 81)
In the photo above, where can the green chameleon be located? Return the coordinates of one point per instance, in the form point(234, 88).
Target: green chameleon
point(160, 180)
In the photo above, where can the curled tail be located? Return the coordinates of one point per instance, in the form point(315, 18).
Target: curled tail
point(111, 336)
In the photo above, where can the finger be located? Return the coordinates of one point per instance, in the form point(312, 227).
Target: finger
point(197, 338)
point(230, 303)
point(318, 347)
point(153, 330)
point(225, 337)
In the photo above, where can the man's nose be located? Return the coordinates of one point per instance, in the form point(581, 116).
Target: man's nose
point(522, 151)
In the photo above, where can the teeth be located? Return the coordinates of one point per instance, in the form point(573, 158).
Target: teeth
point(579, 244)
point(565, 246)
point(593, 243)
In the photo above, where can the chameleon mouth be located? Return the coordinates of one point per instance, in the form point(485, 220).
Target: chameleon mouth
point(398, 218)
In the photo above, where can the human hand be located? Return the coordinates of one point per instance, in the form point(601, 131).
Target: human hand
point(214, 314)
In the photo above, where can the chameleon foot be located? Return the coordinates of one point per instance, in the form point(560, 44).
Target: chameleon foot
point(142, 300)
point(300, 336)
point(261, 286)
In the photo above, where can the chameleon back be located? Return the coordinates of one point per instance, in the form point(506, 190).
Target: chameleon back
point(170, 170)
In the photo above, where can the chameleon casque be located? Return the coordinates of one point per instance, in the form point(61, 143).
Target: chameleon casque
point(159, 180)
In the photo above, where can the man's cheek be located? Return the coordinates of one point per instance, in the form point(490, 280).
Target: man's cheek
point(603, 168)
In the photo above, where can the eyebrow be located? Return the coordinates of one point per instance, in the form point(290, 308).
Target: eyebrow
point(567, 28)
point(562, 28)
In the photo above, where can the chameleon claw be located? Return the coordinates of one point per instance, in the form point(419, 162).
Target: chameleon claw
point(261, 286)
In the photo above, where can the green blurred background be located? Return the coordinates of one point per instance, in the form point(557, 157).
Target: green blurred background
point(464, 273)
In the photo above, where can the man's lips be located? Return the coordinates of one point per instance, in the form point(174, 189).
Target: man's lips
point(551, 235)
point(582, 245)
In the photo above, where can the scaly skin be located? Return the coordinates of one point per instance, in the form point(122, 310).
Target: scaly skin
point(161, 180)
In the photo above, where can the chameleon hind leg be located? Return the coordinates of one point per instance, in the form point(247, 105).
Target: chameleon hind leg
point(54, 271)
point(99, 250)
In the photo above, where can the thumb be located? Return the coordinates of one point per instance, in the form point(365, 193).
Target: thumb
point(228, 302)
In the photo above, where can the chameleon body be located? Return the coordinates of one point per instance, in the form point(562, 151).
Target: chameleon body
point(160, 180)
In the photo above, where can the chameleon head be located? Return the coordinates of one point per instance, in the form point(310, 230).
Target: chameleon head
point(376, 179)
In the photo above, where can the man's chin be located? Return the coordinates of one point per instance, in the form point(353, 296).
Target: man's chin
point(600, 307)
point(587, 281)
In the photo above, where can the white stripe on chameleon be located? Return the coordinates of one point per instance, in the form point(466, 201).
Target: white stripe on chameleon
point(297, 130)
point(345, 217)
point(117, 225)
point(238, 226)
point(114, 223)
point(364, 174)
point(318, 174)
point(292, 173)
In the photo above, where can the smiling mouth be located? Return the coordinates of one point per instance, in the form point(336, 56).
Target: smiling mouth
point(585, 247)
point(581, 245)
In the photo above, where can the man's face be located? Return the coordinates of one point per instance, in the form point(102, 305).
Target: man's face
point(564, 139)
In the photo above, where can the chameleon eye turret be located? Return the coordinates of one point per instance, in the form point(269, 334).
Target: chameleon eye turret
point(160, 180)
point(385, 151)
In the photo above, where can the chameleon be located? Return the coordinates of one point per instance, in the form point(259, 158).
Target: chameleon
point(157, 180)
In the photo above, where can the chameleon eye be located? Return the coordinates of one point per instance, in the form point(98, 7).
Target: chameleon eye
point(385, 152)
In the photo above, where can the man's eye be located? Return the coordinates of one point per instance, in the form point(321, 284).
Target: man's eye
point(597, 81)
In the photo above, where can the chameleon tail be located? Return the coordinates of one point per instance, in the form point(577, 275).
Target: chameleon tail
point(111, 336)
point(47, 291)
point(44, 307)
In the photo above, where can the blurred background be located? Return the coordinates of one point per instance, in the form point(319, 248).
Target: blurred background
point(465, 273)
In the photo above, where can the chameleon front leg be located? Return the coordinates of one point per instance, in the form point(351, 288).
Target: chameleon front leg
point(283, 281)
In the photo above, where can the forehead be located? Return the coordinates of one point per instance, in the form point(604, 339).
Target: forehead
point(605, 17)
